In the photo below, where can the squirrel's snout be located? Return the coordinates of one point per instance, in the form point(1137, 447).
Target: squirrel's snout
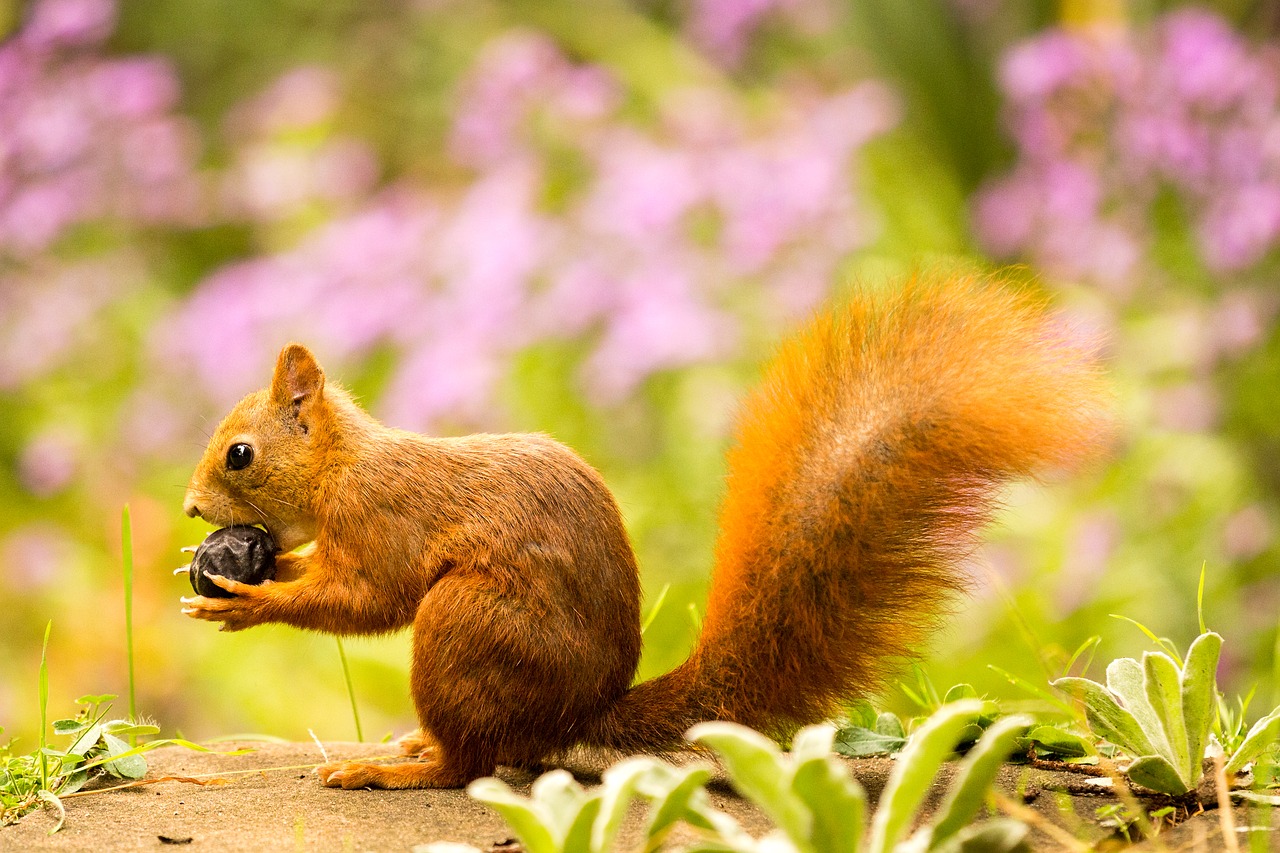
point(189, 506)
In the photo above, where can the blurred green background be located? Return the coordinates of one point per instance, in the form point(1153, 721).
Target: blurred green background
point(594, 219)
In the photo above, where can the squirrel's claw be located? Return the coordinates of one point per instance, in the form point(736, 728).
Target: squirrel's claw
point(235, 614)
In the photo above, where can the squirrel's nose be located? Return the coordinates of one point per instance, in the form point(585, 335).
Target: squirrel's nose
point(189, 506)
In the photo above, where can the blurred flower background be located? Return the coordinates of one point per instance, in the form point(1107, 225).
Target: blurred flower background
point(594, 219)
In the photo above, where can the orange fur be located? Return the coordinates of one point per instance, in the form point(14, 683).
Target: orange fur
point(862, 467)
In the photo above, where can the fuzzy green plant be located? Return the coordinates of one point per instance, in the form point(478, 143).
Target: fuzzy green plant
point(815, 805)
point(96, 747)
point(1161, 711)
point(560, 816)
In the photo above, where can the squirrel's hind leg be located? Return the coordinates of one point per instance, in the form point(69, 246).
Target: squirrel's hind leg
point(436, 772)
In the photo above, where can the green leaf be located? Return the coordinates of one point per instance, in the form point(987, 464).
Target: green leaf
point(916, 768)
point(1263, 734)
point(958, 692)
point(1061, 742)
point(560, 797)
point(758, 772)
point(995, 836)
point(1125, 679)
point(890, 726)
point(74, 782)
point(856, 742)
point(577, 838)
point(1162, 682)
point(1105, 716)
point(836, 801)
point(86, 740)
point(812, 742)
point(672, 790)
point(1255, 797)
point(1155, 772)
point(619, 784)
point(860, 713)
point(124, 728)
point(725, 832)
point(123, 761)
point(1200, 693)
point(526, 819)
point(90, 699)
point(977, 772)
point(69, 727)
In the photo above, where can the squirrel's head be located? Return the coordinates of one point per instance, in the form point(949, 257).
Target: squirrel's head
point(262, 463)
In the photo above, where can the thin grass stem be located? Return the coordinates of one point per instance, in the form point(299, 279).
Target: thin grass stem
point(44, 707)
point(351, 690)
point(126, 547)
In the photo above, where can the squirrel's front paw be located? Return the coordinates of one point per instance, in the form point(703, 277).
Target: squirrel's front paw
point(243, 610)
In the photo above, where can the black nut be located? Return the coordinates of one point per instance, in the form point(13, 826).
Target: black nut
point(240, 553)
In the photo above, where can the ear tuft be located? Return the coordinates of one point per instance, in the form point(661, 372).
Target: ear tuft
point(298, 381)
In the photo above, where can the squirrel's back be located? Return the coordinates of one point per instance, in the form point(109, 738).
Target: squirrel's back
point(862, 467)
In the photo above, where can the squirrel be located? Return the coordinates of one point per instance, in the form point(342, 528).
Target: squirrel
point(860, 470)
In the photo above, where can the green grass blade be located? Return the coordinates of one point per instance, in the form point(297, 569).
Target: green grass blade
point(1162, 644)
point(351, 690)
point(916, 768)
point(1262, 735)
point(1090, 645)
point(1200, 598)
point(657, 606)
point(126, 549)
point(1034, 689)
point(44, 707)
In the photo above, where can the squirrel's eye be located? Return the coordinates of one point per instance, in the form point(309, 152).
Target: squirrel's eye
point(239, 456)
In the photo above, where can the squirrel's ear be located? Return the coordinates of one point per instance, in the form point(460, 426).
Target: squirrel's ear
point(298, 381)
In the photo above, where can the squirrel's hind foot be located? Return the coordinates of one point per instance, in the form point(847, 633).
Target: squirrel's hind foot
point(410, 774)
point(417, 743)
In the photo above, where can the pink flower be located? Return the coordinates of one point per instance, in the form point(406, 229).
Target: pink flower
point(723, 27)
point(35, 556)
point(48, 464)
point(69, 22)
point(1036, 69)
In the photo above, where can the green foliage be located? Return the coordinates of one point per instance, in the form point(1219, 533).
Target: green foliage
point(868, 732)
point(97, 747)
point(1162, 712)
point(808, 794)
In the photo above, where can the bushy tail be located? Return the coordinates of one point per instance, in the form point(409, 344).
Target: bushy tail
point(863, 466)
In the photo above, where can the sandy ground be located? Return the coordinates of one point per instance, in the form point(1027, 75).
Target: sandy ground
point(271, 800)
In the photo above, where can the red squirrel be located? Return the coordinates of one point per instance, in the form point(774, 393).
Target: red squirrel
point(860, 471)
